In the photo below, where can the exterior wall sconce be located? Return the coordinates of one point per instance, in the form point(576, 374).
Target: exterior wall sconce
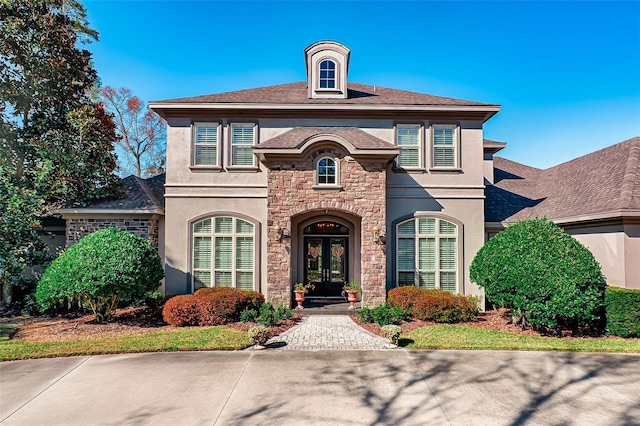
point(280, 233)
point(376, 234)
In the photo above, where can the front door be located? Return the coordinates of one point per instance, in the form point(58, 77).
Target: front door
point(326, 265)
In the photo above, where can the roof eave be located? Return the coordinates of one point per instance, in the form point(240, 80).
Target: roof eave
point(162, 107)
point(110, 211)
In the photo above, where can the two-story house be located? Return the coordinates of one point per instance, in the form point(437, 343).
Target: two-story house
point(323, 181)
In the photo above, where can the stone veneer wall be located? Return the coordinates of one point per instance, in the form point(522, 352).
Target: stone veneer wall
point(290, 192)
point(147, 228)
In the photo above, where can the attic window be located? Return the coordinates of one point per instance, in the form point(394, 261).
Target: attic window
point(327, 74)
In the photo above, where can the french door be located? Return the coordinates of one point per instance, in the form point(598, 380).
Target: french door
point(326, 265)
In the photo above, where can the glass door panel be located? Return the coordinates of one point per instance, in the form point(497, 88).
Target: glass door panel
point(326, 265)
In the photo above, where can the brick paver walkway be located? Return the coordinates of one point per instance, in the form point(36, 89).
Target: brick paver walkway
point(326, 332)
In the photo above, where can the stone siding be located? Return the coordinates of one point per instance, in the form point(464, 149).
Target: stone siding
point(147, 228)
point(291, 192)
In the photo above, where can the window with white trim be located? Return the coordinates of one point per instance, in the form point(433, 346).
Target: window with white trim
point(327, 74)
point(427, 253)
point(242, 141)
point(223, 253)
point(206, 138)
point(327, 171)
point(444, 144)
point(409, 141)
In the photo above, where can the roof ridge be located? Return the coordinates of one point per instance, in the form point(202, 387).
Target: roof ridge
point(628, 181)
point(142, 184)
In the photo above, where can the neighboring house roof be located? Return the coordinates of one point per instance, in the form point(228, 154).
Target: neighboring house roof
point(296, 93)
point(602, 184)
point(298, 136)
point(140, 196)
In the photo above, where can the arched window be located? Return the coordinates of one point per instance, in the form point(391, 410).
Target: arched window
point(427, 253)
point(223, 253)
point(326, 171)
point(327, 74)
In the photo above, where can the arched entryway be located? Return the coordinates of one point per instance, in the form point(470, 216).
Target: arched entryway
point(326, 258)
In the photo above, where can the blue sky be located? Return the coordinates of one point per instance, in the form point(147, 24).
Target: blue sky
point(567, 74)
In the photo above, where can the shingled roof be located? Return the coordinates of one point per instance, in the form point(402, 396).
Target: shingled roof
point(604, 183)
point(297, 137)
point(296, 93)
point(140, 195)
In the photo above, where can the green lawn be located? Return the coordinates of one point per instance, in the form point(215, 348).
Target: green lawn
point(193, 339)
point(447, 336)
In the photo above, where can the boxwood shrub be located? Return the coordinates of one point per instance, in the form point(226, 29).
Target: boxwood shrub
point(543, 274)
point(623, 312)
point(103, 268)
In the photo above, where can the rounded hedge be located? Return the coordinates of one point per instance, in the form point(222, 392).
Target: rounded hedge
point(542, 273)
point(104, 267)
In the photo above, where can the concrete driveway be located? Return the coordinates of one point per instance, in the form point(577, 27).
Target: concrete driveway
point(378, 387)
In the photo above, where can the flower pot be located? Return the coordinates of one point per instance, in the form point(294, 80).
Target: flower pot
point(352, 297)
point(299, 299)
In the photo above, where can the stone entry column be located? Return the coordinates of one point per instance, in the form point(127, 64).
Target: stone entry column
point(291, 191)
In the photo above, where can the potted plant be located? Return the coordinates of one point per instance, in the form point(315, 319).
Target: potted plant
point(351, 290)
point(391, 332)
point(300, 290)
point(259, 334)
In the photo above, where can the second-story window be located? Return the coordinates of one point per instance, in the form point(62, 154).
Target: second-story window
point(242, 140)
point(327, 74)
point(444, 146)
point(327, 171)
point(206, 137)
point(408, 140)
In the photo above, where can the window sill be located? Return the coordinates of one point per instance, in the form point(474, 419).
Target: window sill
point(328, 187)
point(243, 169)
point(205, 169)
point(445, 170)
point(409, 169)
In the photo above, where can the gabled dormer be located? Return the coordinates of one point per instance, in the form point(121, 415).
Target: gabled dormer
point(327, 69)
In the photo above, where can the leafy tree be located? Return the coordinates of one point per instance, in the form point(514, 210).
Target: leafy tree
point(103, 268)
point(56, 144)
point(142, 131)
point(542, 273)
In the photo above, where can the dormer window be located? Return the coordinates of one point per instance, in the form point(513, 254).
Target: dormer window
point(327, 69)
point(327, 74)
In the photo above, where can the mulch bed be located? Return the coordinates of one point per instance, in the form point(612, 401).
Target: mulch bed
point(125, 322)
point(498, 319)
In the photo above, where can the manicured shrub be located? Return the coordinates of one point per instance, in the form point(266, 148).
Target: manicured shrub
point(270, 316)
point(623, 312)
point(541, 273)
point(404, 296)
point(227, 303)
point(181, 311)
point(442, 306)
point(434, 305)
point(215, 306)
point(103, 268)
point(383, 314)
point(259, 334)
point(391, 332)
point(249, 315)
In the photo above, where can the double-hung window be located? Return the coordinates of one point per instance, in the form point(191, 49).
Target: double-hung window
point(223, 253)
point(427, 253)
point(409, 141)
point(242, 141)
point(444, 145)
point(206, 141)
